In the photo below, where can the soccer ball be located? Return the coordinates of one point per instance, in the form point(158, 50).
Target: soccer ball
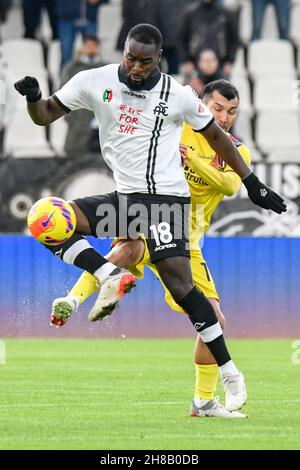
point(51, 220)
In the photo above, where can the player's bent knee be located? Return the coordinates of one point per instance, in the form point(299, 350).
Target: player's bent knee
point(82, 223)
point(125, 253)
point(176, 275)
point(179, 291)
point(134, 250)
point(221, 319)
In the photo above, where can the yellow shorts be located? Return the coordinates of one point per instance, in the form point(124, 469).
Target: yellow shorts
point(201, 275)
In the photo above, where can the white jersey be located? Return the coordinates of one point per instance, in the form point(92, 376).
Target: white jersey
point(139, 131)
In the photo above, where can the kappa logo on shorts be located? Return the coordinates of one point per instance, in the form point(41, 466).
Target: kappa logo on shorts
point(162, 247)
point(198, 326)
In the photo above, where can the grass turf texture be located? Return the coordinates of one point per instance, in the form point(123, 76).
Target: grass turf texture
point(136, 394)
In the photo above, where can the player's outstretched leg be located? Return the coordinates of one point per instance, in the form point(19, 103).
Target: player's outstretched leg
point(176, 275)
point(64, 307)
point(78, 251)
point(125, 253)
point(112, 291)
point(207, 374)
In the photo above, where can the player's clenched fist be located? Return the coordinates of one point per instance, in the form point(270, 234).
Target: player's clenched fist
point(29, 87)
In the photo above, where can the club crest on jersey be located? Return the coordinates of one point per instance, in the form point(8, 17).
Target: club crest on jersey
point(161, 109)
point(107, 95)
point(218, 163)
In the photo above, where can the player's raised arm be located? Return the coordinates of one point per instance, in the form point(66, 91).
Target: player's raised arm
point(258, 192)
point(198, 116)
point(223, 146)
point(41, 111)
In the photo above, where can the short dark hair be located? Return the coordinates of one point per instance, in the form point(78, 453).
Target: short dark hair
point(224, 87)
point(90, 37)
point(146, 34)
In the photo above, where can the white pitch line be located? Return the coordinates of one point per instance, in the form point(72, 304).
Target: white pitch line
point(70, 405)
point(128, 437)
point(138, 403)
point(50, 405)
point(297, 400)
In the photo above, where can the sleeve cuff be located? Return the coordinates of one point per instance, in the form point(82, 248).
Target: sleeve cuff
point(205, 127)
point(60, 104)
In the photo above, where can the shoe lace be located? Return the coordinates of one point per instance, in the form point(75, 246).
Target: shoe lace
point(217, 403)
point(217, 406)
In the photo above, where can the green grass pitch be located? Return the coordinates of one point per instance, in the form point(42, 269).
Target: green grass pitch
point(136, 394)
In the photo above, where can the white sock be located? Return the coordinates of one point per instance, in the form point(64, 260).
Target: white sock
point(75, 299)
point(104, 271)
point(228, 369)
point(72, 299)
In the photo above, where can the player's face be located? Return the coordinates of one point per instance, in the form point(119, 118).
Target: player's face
point(139, 61)
point(224, 110)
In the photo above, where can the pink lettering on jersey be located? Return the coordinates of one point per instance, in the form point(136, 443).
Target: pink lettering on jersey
point(129, 123)
point(127, 129)
point(130, 109)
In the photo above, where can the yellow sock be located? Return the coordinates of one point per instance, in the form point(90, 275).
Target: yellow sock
point(206, 380)
point(86, 285)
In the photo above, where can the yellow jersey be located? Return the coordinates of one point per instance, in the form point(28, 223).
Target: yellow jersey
point(209, 179)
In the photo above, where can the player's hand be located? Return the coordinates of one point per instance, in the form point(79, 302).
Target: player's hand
point(262, 195)
point(29, 87)
point(183, 153)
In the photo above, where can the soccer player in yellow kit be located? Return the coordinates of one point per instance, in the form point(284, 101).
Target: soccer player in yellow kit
point(210, 179)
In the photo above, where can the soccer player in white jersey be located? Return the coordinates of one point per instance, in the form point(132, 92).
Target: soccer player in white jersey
point(140, 112)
